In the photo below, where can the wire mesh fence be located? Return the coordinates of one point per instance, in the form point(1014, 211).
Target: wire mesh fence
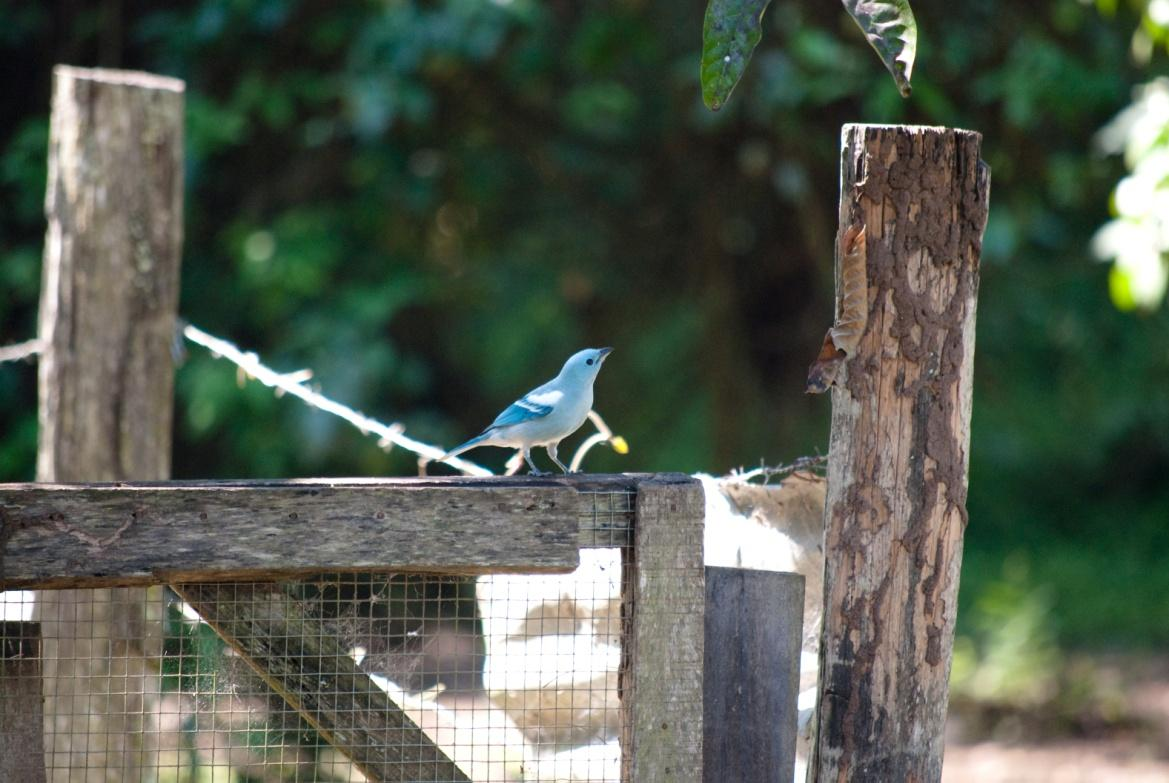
point(335, 677)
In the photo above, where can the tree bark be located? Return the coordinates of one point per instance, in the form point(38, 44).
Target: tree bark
point(107, 322)
point(899, 453)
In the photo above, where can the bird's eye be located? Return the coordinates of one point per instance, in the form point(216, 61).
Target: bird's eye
point(589, 361)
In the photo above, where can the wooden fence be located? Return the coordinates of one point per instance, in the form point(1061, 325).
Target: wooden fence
point(213, 541)
point(913, 206)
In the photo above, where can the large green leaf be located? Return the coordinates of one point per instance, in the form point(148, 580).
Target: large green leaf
point(730, 33)
point(891, 29)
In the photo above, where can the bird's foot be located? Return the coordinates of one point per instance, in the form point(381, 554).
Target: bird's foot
point(538, 472)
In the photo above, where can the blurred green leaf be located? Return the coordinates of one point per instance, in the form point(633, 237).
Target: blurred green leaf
point(891, 29)
point(730, 33)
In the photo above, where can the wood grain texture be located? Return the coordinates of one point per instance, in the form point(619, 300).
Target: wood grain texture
point(321, 681)
point(751, 675)
point(22, 738)
point(68, 535)
point(110, 284)
point(899, 452)
point(109, 295)
point(663, 599)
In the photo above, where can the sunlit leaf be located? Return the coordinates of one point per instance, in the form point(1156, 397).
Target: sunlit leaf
point(730, 33)
point(891, 29)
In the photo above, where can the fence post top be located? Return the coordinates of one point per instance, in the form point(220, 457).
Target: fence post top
point(139, 79)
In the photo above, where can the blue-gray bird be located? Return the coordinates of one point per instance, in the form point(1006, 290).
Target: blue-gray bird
point(547, 414)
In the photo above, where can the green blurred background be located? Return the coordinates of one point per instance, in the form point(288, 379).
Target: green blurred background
point(432, 204)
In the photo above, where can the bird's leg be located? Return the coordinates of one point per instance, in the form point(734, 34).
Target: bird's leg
point(551, 449)
point(532, 465)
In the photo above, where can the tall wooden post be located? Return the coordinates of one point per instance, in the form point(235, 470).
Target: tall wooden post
point(899, 452)
point(107, 318)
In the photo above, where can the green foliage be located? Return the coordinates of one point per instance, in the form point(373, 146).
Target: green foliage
point(732, 29)
point(730, 32)
point(192, 654)
point(891, 29)
point(1011, 654)
point(1010, 675)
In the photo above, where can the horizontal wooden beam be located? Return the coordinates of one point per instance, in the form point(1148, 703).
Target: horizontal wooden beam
point(119, 534)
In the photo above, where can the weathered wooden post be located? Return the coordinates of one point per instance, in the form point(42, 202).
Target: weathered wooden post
point(22, 740)
point(663, 598)
point(899, 452)
point(751, 674)
point(107, 318)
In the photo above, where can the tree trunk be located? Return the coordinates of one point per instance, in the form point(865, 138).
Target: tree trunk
point(899, 452)
point(107, 321)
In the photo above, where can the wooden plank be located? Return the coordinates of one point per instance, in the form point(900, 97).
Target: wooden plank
point(321, 681)
point(751, 674)
point(66, 535)
point(109, 295)
point(22, 738)
point(899, 454)
point(663, 596)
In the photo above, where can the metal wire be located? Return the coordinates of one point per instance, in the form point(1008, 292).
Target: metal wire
point(510, 677)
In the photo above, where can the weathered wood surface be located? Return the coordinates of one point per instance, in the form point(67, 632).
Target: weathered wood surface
point(311, 671)
point(22, 737)
point(899, 452)
point(109, 296)
point(751, 675)
point(110, 287)
point(663, 596)
point(229, 531)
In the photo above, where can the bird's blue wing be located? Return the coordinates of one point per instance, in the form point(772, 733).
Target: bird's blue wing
point(523, 409)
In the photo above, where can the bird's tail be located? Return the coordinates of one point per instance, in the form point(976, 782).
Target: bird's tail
point(457, 450)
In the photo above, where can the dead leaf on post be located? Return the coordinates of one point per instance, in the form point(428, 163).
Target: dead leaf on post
point(844, 336)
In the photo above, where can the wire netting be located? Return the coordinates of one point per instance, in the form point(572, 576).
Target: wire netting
point(335, 677)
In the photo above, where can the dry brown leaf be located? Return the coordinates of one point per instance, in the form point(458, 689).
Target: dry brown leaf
point(854, 307)
point(844, 336)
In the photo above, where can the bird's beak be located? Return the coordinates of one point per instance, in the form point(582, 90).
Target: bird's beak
point(605, 352)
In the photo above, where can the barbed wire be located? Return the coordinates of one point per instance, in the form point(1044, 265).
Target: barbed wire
point(390, 435)
point(293, 383)
point(817, 464)
point(20, 351)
